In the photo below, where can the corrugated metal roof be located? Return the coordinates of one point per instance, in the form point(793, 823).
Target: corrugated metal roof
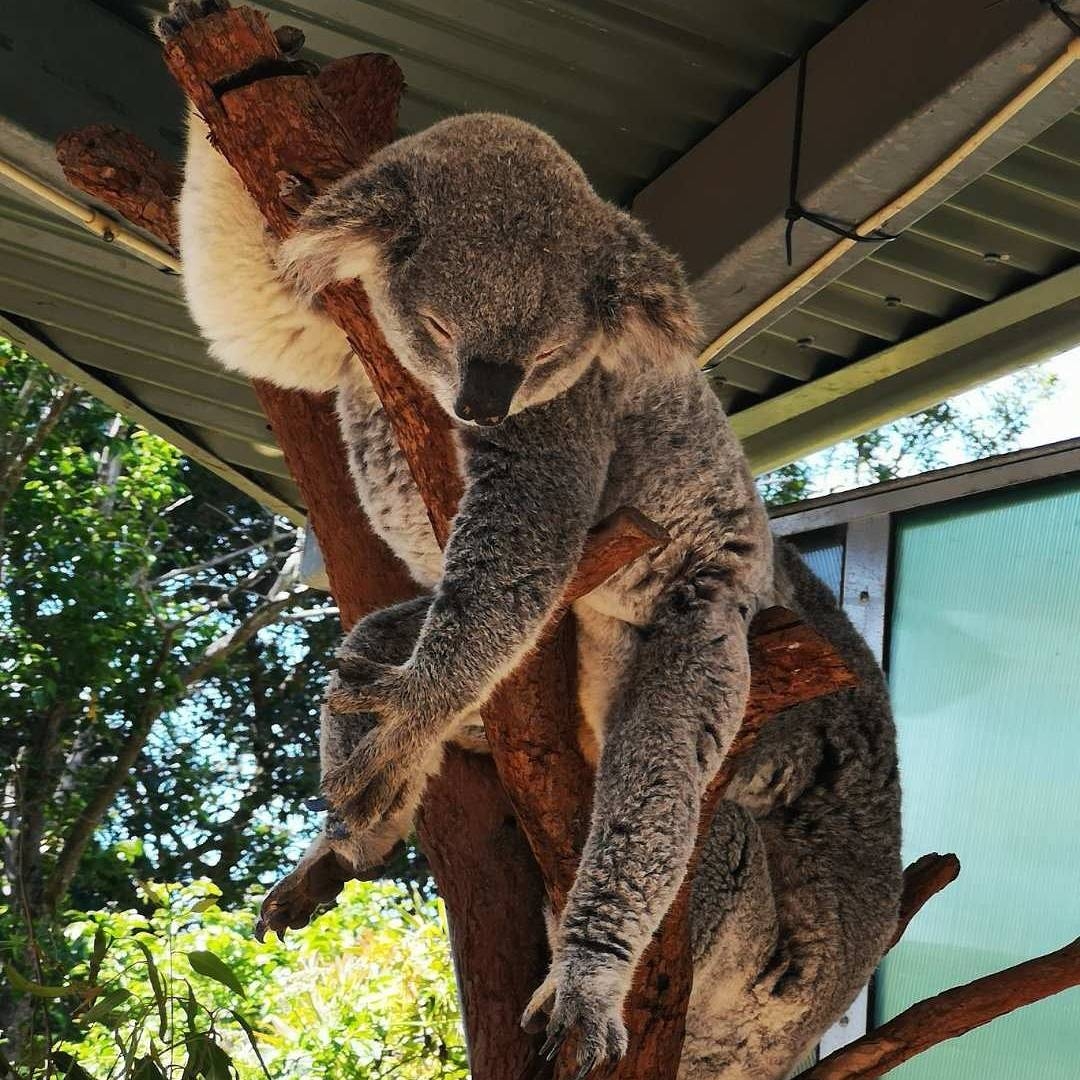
point(627, 86)
point(1016, 225)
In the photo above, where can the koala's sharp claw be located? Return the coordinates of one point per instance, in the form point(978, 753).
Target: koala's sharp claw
point(552, 1045)
point(585, 1070)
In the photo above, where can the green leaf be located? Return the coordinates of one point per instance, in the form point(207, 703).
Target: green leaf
point(156, 986)
point(72, 1069)
point(191, 1008)
point(218, 1062)
point(105, 1006)
point(147, 1069)
point(249, 1031)
point(213, 967)
point(198, 1056)
point(23, 985)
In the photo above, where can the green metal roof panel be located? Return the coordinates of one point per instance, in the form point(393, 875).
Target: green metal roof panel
point(626, 86)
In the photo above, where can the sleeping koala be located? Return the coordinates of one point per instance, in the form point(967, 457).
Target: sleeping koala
point(560, 339)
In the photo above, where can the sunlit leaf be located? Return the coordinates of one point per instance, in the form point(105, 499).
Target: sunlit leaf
point(24, 986)
point(156, 986)
point(213, 967)
point(105, 1006)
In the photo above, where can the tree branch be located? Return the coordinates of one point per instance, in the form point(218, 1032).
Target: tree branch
point(951, 1014)
point(87, 821)
point(15, 462)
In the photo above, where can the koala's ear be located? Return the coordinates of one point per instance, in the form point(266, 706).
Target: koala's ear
point(342, 234)
point(640, 297)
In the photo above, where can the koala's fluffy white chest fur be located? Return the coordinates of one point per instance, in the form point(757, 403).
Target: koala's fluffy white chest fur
point(254, 324)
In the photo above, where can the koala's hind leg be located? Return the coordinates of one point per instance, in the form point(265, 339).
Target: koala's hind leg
point(342, 852)
point(748, 986)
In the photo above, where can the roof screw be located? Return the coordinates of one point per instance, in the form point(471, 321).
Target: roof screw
point(893, 301)
point(996, 256)
point(804, 342)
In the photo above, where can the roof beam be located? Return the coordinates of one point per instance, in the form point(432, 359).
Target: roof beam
point(889, 94)
point(1030, 325)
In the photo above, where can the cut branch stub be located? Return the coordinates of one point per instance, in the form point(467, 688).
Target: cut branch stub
point(122, 171)
point(923, 879)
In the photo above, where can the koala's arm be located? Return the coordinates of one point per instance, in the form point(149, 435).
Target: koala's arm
point(533, 493)
point(533, 489)
point(666, 735)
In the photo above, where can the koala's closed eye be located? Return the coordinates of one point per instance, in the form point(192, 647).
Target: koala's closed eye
point(550, 353)
point(437, 329)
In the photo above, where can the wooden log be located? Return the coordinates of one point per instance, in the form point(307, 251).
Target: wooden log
point(493, 892)
point(951, 1014)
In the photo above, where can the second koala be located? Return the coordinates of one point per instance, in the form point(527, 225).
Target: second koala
point(561, 339)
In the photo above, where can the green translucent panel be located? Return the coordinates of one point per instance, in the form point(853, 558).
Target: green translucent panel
point(985, 676)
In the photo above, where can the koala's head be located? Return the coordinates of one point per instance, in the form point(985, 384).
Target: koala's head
point(493, 268)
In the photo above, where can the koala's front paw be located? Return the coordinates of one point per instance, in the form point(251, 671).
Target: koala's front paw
point(182, 13)
point(583, 997)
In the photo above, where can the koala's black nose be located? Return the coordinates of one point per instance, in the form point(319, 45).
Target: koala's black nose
point(487, 388)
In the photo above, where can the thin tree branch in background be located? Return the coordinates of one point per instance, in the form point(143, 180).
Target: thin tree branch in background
point(14, 464)
point(88, 820)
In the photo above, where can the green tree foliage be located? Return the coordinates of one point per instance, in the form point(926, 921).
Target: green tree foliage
point(975, 425)
point(161, 663)
point(182, 990)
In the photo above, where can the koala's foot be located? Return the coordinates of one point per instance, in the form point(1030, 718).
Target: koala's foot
point(182, 13)
point(582, 998)
point(312, 888)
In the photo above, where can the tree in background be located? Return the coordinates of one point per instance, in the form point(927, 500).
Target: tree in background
point(161, 663)
point(975, 425)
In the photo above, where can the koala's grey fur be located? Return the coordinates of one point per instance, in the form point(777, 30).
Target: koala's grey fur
point(523, 301)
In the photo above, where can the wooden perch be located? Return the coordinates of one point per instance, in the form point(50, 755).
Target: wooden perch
point(269, 121)
point(951, 1014)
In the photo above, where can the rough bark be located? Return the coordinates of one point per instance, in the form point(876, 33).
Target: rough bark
point(951, 1014)
point(126, 174)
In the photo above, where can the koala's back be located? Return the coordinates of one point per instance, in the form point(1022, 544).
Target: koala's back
point(822, 785)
